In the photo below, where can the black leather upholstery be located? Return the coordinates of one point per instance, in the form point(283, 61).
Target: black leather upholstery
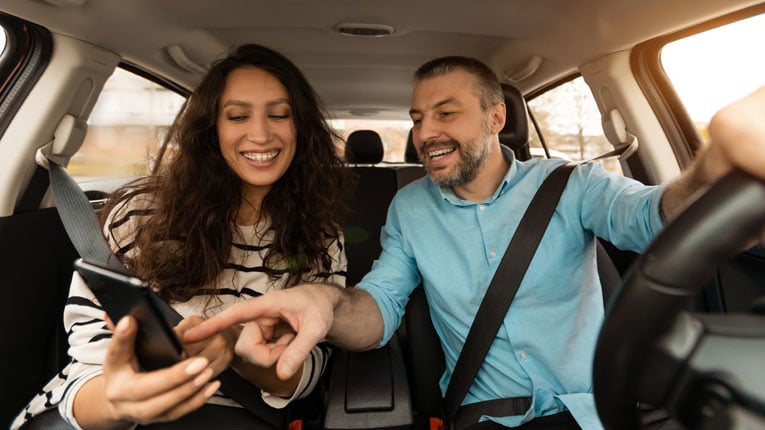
point(369, 205)
point(364, 147)
point(369, 202)
point(36, 272)
point(410, 154)
point(515, 133)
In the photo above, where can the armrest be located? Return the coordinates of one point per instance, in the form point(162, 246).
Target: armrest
point(369, 390)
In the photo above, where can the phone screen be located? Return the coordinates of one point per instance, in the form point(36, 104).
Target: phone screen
point(120, 294)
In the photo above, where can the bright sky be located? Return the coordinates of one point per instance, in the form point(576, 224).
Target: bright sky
point(712, 69)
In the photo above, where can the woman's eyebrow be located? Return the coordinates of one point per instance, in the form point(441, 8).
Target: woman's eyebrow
point(242, 103)
point(239, 103)
point(278, 102)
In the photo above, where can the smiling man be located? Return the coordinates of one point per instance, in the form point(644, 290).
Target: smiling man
point(449, 231)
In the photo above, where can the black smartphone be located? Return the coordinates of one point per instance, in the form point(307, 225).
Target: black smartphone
point(120, 294)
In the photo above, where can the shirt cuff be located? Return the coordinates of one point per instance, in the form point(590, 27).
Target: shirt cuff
point(277, 402)
point(66, 407)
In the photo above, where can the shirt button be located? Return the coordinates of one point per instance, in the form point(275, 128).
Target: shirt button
point(492, 254)
point(481, 208)
point(522, 355)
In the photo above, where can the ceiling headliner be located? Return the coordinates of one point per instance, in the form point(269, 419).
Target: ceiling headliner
point(371, 74)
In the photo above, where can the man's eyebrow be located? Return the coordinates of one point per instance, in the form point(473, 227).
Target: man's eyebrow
point(449, 100)
point(445, 101)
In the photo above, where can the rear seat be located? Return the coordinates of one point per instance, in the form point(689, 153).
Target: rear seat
point(369, 202)
point(377, 184)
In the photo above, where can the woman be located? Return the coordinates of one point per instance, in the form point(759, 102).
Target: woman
point(250, 202)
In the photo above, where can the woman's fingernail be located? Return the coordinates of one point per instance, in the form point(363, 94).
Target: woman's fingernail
point(203, 377)
point(212, 387)
point(196, 365)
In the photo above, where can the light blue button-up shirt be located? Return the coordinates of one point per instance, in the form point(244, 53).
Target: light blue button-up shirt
point(545, 346)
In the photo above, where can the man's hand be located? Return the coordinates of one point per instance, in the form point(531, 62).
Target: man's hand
point(308, 311)
point(737, 132)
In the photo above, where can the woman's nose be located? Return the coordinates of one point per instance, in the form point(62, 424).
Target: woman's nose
point(257, 131)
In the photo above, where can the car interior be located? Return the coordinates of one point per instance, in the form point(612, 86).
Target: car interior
point(685, 319)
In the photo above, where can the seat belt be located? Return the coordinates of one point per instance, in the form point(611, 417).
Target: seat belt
point(83, 228)
point(496, 303)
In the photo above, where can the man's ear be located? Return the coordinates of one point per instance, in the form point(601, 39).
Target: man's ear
point(498, 114)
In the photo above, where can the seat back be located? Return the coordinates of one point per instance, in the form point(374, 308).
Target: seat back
point(369, 202)
point(36, 270)
point(376, 186)
point(515, 133)
point(410, 153)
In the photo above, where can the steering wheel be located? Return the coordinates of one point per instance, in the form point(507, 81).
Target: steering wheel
point(706, 370)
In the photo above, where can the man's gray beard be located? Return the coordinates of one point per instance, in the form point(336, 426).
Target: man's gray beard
point(469, 166)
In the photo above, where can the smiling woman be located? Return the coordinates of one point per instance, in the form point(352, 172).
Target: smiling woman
point(216, 225)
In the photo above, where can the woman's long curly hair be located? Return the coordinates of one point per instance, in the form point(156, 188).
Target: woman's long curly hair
point(196, 196)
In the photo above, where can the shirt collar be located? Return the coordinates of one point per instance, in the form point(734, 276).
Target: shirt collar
point(448, 195)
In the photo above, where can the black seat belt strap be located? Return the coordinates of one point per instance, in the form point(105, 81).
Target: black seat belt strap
point(471, 414)
point(82, 226)
point(503, 287)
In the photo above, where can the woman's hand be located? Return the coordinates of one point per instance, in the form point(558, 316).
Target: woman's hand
point(218, 349)
point(124, 394)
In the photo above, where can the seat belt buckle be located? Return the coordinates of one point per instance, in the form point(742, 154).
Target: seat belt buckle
point(436, 424)
point(295, 425)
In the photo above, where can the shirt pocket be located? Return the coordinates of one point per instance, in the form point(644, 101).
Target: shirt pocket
point(555, 263)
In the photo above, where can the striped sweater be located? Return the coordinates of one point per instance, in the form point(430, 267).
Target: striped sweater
point(244, 277)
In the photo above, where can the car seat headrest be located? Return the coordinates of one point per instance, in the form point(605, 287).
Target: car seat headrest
point(410, 154)
point(515, 133)
point(364, 147)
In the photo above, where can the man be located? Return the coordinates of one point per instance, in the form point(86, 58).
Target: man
point(449, 231)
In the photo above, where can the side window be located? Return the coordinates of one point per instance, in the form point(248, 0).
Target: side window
point(711, 69)
point(569, 121)
point(125, 131)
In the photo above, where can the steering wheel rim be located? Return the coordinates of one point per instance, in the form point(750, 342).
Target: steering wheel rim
point(660, 282)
